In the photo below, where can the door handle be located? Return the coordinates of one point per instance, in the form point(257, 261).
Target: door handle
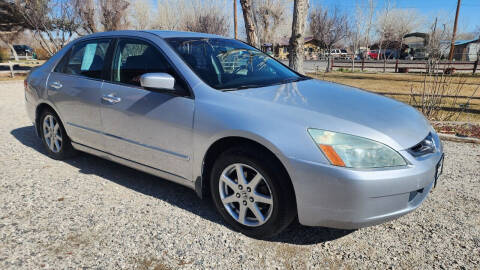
point(56, 85)
point(111, 98)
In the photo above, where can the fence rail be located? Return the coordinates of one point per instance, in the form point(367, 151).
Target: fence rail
point(404, 66)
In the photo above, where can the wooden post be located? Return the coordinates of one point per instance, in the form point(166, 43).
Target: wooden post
point(363, 63)
point(396, 66)
point(11, 69)
point(452, 44)
point(235, 17)
point(333, 62)
point(475, 65)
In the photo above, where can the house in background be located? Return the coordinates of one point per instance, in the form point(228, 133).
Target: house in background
point(312, 48)
point(467, 50)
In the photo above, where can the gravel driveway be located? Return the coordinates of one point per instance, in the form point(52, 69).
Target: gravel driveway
point(91, 213)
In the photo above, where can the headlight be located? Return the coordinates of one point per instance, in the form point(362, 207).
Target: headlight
point(355, 152)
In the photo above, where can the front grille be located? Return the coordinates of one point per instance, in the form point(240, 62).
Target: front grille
point(426, 146)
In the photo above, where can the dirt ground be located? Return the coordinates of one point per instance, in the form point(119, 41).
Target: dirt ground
point(90, 213)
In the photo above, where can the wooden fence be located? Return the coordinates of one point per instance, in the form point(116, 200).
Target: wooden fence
point(405, 66)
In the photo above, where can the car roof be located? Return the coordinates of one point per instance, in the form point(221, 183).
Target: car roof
point(159, 33)
point(172, 34)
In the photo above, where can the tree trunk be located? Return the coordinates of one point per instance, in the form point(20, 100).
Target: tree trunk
point(14, 53)
point(295, 56)
point(250, 29)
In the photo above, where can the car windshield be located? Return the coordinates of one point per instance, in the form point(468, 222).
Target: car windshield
point(226, 64)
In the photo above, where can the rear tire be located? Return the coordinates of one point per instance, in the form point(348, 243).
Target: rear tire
point(54, 137)
point(260, 204)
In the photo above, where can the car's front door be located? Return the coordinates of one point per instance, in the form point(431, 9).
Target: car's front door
point(150, 127)
point(75, 88)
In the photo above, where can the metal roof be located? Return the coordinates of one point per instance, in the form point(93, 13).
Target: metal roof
point(462, 42)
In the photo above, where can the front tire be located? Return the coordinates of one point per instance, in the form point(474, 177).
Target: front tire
point(54, 137)
point(254, 195)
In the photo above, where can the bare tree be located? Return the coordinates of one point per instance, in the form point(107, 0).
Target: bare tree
point(393, 24)
point(87, 16)
point(357, 31)
point(212, 22)
point(113, 14)
point(170, 14)
point(208, 16)
point(141, 14)
point(250, 28)
point(53, 23)
point(329, 27)
point(12, 24)
point(369, 22)
point(295, 48)
point(436, 49)
point(269, 17)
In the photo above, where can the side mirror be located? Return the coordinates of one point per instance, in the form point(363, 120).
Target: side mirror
point(159, 81)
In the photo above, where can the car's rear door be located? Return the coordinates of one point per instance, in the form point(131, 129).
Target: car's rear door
point(150, 127)
point(74, 87)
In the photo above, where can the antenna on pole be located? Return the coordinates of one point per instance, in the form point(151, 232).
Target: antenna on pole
point(452, 45)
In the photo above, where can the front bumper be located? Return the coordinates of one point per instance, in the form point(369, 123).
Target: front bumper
point(344, 198)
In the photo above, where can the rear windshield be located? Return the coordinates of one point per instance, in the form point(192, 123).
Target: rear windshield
point(227, 64)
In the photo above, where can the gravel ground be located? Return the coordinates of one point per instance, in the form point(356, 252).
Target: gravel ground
point(92, 213)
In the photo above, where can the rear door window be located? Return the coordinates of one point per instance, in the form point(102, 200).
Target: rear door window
point(87, 59)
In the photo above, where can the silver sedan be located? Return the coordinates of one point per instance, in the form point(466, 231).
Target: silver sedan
point(267, 144)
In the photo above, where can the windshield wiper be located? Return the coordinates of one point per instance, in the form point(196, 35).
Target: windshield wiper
point(265, 85)
point(294, 80)
point(244, 87)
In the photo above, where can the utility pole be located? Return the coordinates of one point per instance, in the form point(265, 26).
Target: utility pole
point(452, 45)
point(235, 17)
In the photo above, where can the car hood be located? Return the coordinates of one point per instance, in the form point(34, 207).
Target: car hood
point(340, 108)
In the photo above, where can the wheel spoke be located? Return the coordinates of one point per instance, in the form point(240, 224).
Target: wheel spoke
point(46, 124)
point(242, 213)
point(262, 198)
point(57, 145)
point(255, 181)
point(229, 182)
point(59, 138)
point(52, 143)
point(230, 199)
point(257, 213)
point(50, 121)
point(240, 175)
point(55, 128)
point(47, 134)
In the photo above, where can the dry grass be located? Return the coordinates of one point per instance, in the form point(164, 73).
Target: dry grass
point(403, 83)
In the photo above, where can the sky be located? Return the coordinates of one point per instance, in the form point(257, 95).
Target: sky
point(469, 17)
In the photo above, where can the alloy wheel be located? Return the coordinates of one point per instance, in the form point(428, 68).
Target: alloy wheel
point(52, 133)
point(246, 195)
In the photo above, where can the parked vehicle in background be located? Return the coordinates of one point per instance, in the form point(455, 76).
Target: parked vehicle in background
point(420, 54)
point(24, 50)
point(344, 54)
point(267, 144)
point(373, 54)
point(335, 53)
